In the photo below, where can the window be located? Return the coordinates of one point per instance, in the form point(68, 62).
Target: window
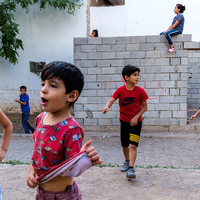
point(36, 67)
point(96, 3)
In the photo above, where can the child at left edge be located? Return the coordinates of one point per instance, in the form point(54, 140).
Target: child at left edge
point(58, 136)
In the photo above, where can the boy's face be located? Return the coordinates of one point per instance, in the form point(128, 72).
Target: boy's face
point(23, 91)
point(53, 97)
point(133, 79)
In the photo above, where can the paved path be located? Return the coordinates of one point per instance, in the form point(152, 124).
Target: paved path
point(180, 150)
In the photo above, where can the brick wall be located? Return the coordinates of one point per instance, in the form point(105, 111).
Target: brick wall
point(163, 75)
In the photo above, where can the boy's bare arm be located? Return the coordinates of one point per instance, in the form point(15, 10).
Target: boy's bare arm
point(23, 103)
point(32, 177)
point(108, 105)
point(134, 120)
point(7, 133)
point(195, 115)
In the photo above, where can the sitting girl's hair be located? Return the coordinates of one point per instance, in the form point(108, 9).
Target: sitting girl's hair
point(181, 7)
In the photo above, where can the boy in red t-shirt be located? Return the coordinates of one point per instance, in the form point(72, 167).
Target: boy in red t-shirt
point(132, 103)
point(58, 137)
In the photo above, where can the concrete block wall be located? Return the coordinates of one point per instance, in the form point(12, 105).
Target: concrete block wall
point(163, 75)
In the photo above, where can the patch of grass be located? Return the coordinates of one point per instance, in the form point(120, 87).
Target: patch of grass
point(15, 162)
point(108, 165)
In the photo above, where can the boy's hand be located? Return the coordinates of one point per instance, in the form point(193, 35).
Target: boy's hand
point(133, 121)
point(105, 110)
point(32, 179)
point(16, 100)
point(92, 153)
point(2, 154)
point(193, 117)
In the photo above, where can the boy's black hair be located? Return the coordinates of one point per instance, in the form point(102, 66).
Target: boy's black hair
point(96, 33)
point(128, 70)
point(71, 76)
point(23, 87)
point(181, 7)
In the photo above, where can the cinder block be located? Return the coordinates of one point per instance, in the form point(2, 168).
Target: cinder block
point(184, 76)
point(109, 40)
point(123, 55)
point(109, 55)
point(193, 60)
point(153, 54)
point(90, 122)
point(191, 45)
point(94, 40)
point(147, 77)
point(183, 122)
point(132, 47)
point(152, 38)
point(181, 53)
point(104, 77)
point(174, 77)
point(151, 106)
point(179, 114)
point(93, 85)
point(116, 77)
point(150, 92)
point(90, 78)
point(80, 41)
point(174, 122)
point(152, 70)
point(118, 47)
point(148, 121)
point(110, 114)
point(161, 92)
point(77, 48)
point(88, 48)
point(104, 93)
point(118, 63)
point(147, 62)
point(115, 122)
point(104, 63)
point(182, 68)
point(183, 38)
point(103, 47)
point(96, 55)
point(91, 107)
point(108, 70)
point(161, 77)
point(78, 107)
point(104, 122)
point(138, 39)
point(80, 114)
point(119, 70)
point(123, 40)
point(162, 61)
point(84, 70)
point(82, 100)
point(135, 62)
point(181, 84)
point(162, 122)
point(174, 92)
point(88, 63)
point(89, 93)
point(180, 99)
point(80, 121)
point(151, 84)
point(166, 54)
point(94, 100)
point(174, 106)
point(197, 55)
point(184, 61)
point(167, 69)
point(148, 47)
point(162, 106)
point(138, 54)
point(161, 46)
point(165, 114)
point(95, 70)
point(153, 99)
point(152, 114)
point(175, 61)
point(167, 84)
point(80, 56)
point(183, 106)
point(192, 91)
point(167, 99)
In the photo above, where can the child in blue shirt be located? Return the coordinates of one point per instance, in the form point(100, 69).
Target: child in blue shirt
point(176, 27)
point(25, 108)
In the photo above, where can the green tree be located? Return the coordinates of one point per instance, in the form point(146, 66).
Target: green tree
point(9, 29)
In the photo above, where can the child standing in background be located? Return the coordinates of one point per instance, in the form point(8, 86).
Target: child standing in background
point(176, 27)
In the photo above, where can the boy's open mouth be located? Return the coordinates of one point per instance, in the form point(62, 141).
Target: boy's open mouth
point(44, 100)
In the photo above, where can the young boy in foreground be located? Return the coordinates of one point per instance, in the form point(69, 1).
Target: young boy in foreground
point(58, 136)
point(132, 103)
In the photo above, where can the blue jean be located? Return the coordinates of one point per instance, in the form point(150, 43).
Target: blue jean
point(170, 33)
point(25, 124)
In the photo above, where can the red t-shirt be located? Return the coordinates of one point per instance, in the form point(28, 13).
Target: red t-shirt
point(55, 143)
point(130, 101)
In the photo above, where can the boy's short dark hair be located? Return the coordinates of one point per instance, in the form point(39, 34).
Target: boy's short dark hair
point(71, 76)
point(23, 87)
point(128, 70)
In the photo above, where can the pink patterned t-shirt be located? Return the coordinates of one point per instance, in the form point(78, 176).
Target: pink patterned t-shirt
point(55, 143)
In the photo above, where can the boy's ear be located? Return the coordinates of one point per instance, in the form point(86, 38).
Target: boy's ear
point(73, 96)
point(126, 77)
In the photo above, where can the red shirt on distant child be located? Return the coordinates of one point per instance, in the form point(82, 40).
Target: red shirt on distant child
point(55, 143)
point(130, 101)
